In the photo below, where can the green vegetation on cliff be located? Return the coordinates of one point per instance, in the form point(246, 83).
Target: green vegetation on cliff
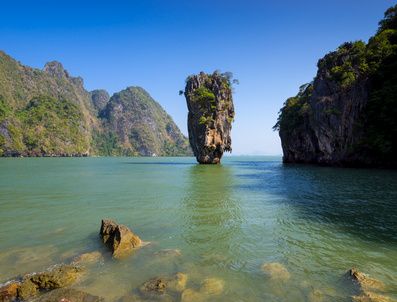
point(49, 113)
point(206, 99)
point(52, 126)
point(46, 126)
point(355, 68)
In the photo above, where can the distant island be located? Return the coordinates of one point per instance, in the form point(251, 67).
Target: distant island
point(347, 115)
point(49, 113)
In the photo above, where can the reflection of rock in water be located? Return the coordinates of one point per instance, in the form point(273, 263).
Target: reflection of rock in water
point(212, 215)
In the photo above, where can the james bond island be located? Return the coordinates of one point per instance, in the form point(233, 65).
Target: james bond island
point(108, 195)
point(211, 113)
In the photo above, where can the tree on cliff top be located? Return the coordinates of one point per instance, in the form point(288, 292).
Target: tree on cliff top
point(390, 19)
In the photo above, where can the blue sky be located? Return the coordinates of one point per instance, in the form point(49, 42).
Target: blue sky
point(272, 47)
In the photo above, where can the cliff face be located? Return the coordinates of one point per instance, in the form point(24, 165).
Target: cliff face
point(325, 127)
point(211, 112)
point(346, 116)
point(99, 98)
point(49, 113)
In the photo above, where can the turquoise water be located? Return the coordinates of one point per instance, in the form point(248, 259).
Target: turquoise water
point(226, 220)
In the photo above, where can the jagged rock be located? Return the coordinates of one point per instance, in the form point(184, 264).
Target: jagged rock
point(364, 281)
point(99, 99)
point(211, 113)
point(276, 271)
point(57, 277)
point(68, 295)
point(118, 238)
point(212, 286)
point(9, 291)
point(27, 290)
point(88, 258)
point(55, 69)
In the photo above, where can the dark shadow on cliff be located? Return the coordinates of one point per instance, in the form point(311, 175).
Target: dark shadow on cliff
point(362, 202)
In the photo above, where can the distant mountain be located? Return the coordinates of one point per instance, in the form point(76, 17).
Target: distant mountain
point(135, 124)
point(49, 113)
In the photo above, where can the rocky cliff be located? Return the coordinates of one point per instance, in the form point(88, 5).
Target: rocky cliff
point(49, 113)
point(211, 113)
point(346, 116)
point(99, 98)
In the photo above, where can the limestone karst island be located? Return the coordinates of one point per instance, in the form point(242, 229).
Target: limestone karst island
point(212, 151)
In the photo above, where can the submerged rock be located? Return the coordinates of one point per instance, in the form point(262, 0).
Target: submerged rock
point(208, 288)
point(168, 253)
point(9, 291)
point(372, 297)
point(178, 283)
point(88, 258)
point(315, 295)
point(156, 285)
point(366, 287)
point(118, 238)
point(162, 285)
point(276, 271)
point(68, 295)
point(211, 113)
point(212, 286)
point(190, 295)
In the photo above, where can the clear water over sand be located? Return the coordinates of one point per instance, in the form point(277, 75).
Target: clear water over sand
point(226, 220)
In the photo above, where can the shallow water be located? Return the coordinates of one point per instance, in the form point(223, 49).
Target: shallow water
point(226, 220)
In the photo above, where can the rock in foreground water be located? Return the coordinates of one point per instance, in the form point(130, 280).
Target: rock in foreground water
point(162, 285)
point(119, 238)
point(211, 113)
point(368, 288)
point(9, 291)
point(56, 277)
point(364, 281)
